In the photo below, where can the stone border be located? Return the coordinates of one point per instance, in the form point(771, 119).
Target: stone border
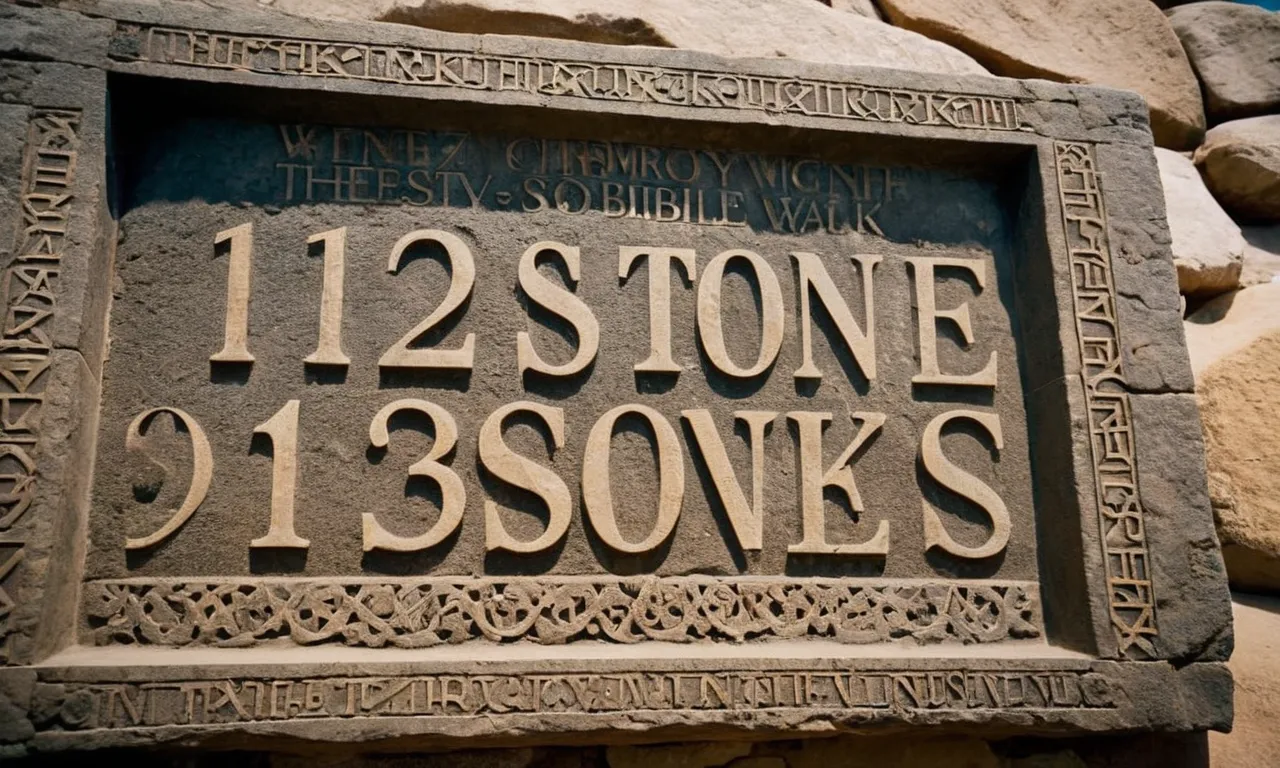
point(551, 611)
point(460, 69)
point(29, 289)
point(129, 705)
point(1130, 594)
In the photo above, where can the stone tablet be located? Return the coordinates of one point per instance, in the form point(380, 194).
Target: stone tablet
point(365, 384)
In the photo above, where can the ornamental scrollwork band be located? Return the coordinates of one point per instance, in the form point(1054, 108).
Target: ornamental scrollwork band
point(416, 614)
point(1130, 593)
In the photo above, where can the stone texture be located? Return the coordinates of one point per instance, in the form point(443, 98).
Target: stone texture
point(797, 29)
point(1207, 245)
point(1121, 43)
point(863, 7)
point(1261, 254)
point(1235, 50)
point(1229, 323)
point(1254, 740)
point(1240, 161)
point(699, 755)
point(887, 753)
point(1237, 362)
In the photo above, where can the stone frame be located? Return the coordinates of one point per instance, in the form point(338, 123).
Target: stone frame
point(1137, 603)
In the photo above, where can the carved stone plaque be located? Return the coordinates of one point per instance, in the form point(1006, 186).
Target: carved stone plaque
point(402, 385)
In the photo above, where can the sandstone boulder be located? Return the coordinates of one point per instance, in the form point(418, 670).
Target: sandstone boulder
point(863, 7)
point(796, 29)
point(1235, 49)
point(1234, 342)
point(1261, 254)
point(1207, 245)
point(1240, 161)
point(1254, 740)
point(1120, 43)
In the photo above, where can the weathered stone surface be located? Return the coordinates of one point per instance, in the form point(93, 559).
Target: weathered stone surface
point(886, 753)
point(349, 530)
point(1121, 43)
point(1237, 360)
point(1240, 161)
point(1254, 740)
point(1235, 50)
point(1208, 249)
point(693, 755)
point(862, 7)
point(1261, 254)
point(804, 30)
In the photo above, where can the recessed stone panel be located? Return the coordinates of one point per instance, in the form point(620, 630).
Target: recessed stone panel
point(448, 380)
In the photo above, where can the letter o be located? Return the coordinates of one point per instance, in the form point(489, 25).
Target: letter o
point(710, 328)
point(598, 497)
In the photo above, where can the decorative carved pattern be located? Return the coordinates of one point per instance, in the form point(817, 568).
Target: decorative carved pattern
point(28, 288)
point(117, 705)
point(553, 611)
point(468, 70)
point(1129, 589)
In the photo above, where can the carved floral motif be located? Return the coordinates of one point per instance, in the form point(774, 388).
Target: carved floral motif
point(550, 611)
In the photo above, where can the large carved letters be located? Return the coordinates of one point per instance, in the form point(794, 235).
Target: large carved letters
point(235, 345)
point(282, 428)
point(598, 496)
point(960, 482)
point(812, 277)
point(519, 471)
point(747, 520)
point(710, 329)
point(659, 359)
point(562, 303)
point(463, 269)
point(452, 491)
point(814, 479)
point(929, 314)
point(201, 472)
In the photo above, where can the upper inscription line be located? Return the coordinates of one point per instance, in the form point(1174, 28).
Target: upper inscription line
point(580, 79)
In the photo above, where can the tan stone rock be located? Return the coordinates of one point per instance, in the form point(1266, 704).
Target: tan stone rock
point(1207, 245)
point(1230, 323)
point(695, 755)
point(1120, 43)
point(1240, 161)
point(1261, 254)
point(1234, 343)
point(863, 7)
point(1235, 50)
point(796, 29)
point(1254, 741)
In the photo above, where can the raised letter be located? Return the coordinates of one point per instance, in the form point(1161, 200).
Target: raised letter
point(954, 479)
point(283, 431)
point(813, 276)
point(519, 471)
point(710, 329)
point(235, 342)
point(595, 480)
point(201, 472)
point(659, 359)
point(560, 302)
point(463, 269)
point(930, 314)
point(453, 495)
point(813, 481)
point(329, 348)
point(747, 521)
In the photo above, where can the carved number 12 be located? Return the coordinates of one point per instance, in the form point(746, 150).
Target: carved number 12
point(235, 348)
